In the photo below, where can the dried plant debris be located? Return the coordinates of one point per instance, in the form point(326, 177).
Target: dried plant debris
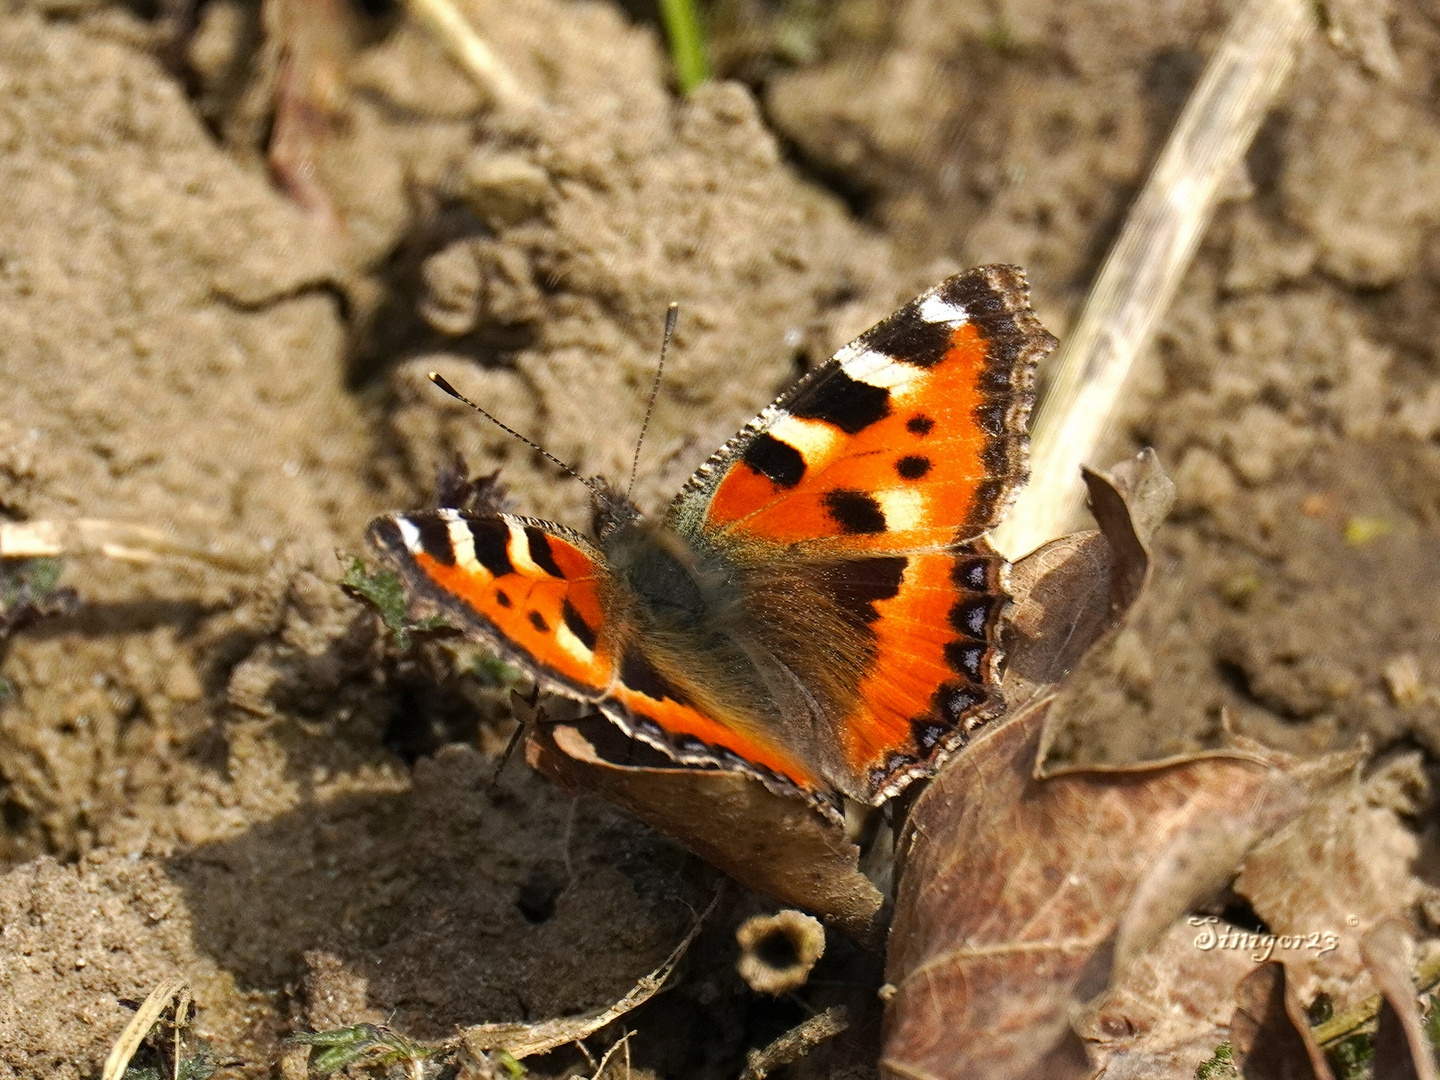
point(157, 1043)
point(1017, 908)
point(521, 1040)
point(778, 952)
point(1402, 1046)
point(1269, 1033)
point(1169, 1013)
point(1044, 930)
point(1327, 878)
point(796, 1043)
point(1010, 905)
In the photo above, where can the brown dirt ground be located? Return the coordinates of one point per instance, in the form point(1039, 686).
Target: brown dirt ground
point(234, 777)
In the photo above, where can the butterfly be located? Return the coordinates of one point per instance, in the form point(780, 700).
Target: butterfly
point(818, 606)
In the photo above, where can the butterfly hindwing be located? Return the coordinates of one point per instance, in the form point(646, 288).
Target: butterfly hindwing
point(935, 675)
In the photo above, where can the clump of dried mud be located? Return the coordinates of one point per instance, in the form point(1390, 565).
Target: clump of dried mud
point(241, 779)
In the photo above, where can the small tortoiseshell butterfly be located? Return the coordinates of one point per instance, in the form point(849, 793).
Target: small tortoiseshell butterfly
point(818, 606)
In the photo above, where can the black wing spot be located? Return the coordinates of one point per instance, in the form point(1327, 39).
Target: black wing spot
point(502, 598)
point(540, 553)
point(919, 424)
point(973, 574)
point(859, 585)
point(778, 461)
point(837, 399)
point(538, 621)
point(578, 626)
point(971, 618)
point(435, 539)
point(912, 466)
point(854, 511)
point(492, 546)
point(966, 658)
point(953, 702)
point(914, 341)
point(638, 674)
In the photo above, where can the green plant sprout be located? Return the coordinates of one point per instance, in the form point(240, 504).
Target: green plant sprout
point(687, 43)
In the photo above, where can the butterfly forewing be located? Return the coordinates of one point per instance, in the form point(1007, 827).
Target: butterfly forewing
point(910, 437)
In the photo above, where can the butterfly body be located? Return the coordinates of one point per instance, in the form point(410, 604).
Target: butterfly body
point(818, 605)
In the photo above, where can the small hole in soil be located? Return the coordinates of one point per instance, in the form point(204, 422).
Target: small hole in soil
point(426, 718)
point(538, 894)
point(777, 949)
point(1235, 676)
point(16, 818)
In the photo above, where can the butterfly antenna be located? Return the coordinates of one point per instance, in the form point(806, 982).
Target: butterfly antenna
point(670, 316)
point(439, 381)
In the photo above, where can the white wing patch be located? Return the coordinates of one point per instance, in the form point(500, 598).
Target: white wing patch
point(877, 369)
point(409, 534)
point(934, 309)
point(813, 438)
point(904, 508)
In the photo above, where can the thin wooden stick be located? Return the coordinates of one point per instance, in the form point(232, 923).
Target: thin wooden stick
point(1140, 275)
point(468, 49)
point(119, 540)
point(140, 1024)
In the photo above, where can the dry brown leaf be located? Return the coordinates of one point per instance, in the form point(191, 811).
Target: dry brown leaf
point(1022, 895)
point(1014, 888)
point(1326, 878)
point(1170, 1012)
point(1402, 1052)
point(1073, 591)
point(1269, 1033)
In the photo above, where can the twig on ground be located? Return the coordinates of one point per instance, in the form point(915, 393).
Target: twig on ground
point(526, 1040)
point(468, 49)
point(796, 1043)
point(1138, 280)
point(150, 1011)
point(119, 540)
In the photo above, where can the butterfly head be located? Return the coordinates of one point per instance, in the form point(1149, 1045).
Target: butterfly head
point(610, 509)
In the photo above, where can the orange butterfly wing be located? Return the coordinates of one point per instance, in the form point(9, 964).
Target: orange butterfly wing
point(543, 597)
point(912, 437)
point(882, 470)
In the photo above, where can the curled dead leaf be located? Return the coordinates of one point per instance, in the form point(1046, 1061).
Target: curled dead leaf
point(776, 845)
point(1169, 1013)
point(1074, 591)
point(1014, 889)
point(1327, 878)
point(1402, 1049)
point(1269, 1032)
